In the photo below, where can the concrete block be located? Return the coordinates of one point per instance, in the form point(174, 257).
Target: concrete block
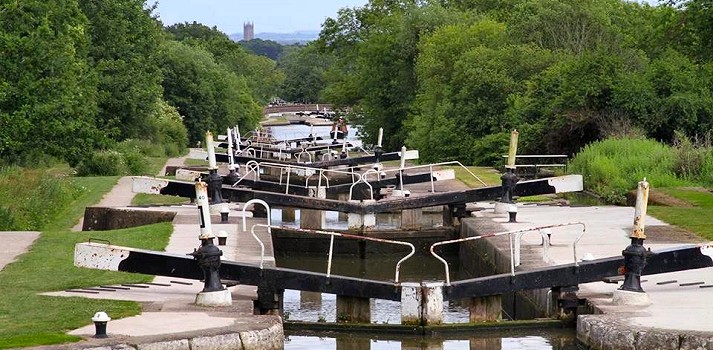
point(217, 342)
point(625, 297)
point(271, 338)
point(219, 298)
point(411, 299)
point(432, 303)
point(411, 218)
point(181, 344)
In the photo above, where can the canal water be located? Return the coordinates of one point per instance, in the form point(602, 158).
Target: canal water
point(315, 307)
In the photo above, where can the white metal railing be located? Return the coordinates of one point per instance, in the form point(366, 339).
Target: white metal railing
point(252, 230)
point(349, 236)
point(255, 167)
point(509, 234)
point(430, 169)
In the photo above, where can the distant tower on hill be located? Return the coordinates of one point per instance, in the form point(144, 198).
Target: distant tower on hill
point(248, 31)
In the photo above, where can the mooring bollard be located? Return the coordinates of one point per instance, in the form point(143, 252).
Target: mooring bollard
point(100, 320)
point(631, 293)
point(222, 237)
point(224, 211)
point(512, 212)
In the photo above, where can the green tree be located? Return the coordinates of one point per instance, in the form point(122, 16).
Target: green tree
point(260, 73)
point(206, 94)
point(267, 48)
point(125, 40)
point(685, 102)
point(574, 25)
point(467, 76)
point(47, 90)
point(304, 69)
point(376, 49)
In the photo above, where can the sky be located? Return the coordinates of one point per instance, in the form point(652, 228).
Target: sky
point(276, 16)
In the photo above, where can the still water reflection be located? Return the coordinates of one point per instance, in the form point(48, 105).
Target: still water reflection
point(550, 340)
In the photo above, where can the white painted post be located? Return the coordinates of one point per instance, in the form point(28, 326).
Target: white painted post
point(212, 165)
point(381, 137)
point(203, 207)
point(231, 160)
point(237, 138)
point(512, 152)
point(642, 200)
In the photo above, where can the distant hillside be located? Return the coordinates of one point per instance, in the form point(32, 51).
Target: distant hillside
point(301, 36)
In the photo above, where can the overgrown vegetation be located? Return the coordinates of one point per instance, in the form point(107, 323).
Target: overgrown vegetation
point(31, 198)
point(614, 166)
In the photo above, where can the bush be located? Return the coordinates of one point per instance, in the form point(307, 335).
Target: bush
point(488, 150)
point(136, 163)
point(7, 221)
point(614, 166)
point(30, 198)
point(171, 132)
point(102, 163)
point(144, 147)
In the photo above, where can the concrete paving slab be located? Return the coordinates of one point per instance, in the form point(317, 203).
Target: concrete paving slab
point(159, 323)
point(681, 309)
point(14, 244)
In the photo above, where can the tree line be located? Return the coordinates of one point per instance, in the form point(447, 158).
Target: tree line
point(449, 77)
point(453, 77)
point(81, 76)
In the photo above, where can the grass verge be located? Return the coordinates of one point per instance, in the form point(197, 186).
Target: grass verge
point(694, 219)
point(157, 199)
point(28, 318)
point(487, 174)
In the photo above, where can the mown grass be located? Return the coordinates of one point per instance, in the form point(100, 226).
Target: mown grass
point(157, 199)
point(694, 219)
point(488, 175)
point(28, 318)
point(51, 201)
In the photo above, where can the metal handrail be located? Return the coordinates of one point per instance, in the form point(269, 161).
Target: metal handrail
point(509, 233)
point(350, 236)
point(252, 229)
point(430, 166)
point(250, 167)
point(361, 179)
point(545, 245)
